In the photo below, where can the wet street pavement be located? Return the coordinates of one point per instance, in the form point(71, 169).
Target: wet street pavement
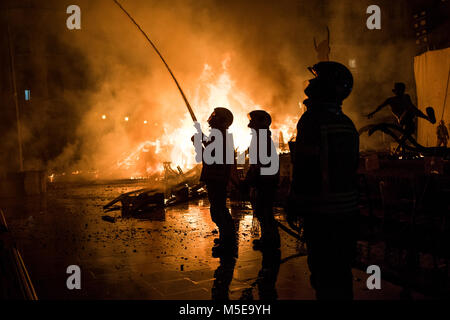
point(166, 255)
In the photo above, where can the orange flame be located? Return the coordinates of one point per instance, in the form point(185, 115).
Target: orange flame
point(213, 90)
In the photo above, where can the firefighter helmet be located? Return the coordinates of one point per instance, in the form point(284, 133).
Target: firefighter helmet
point(334, 80)
point(221, 118)
point(259, 119)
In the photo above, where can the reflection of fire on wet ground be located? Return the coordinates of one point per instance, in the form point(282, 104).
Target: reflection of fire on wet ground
point(162, 256)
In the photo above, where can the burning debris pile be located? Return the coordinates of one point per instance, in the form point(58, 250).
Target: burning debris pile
point(176, 187)
point(135, 156)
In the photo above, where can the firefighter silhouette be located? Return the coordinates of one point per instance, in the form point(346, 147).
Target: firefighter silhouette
point(216, 177)
point(324, 183)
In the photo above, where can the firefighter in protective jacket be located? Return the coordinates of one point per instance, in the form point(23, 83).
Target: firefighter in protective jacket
point(263, 186)
point(216, 177)
point(324, 185)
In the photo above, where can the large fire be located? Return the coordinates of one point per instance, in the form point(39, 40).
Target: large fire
point(141, 158)
point(213, 90)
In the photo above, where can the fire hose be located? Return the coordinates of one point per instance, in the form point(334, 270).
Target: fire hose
point(191, 112)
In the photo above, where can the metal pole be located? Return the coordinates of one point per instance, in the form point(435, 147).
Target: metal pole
point(16, 101)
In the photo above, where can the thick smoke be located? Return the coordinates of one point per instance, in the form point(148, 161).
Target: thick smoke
point(265, 47)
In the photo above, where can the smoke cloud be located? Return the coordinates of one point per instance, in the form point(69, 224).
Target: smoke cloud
point(247, 54)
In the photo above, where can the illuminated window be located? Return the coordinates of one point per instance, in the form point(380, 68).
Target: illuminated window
point(27, 95)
